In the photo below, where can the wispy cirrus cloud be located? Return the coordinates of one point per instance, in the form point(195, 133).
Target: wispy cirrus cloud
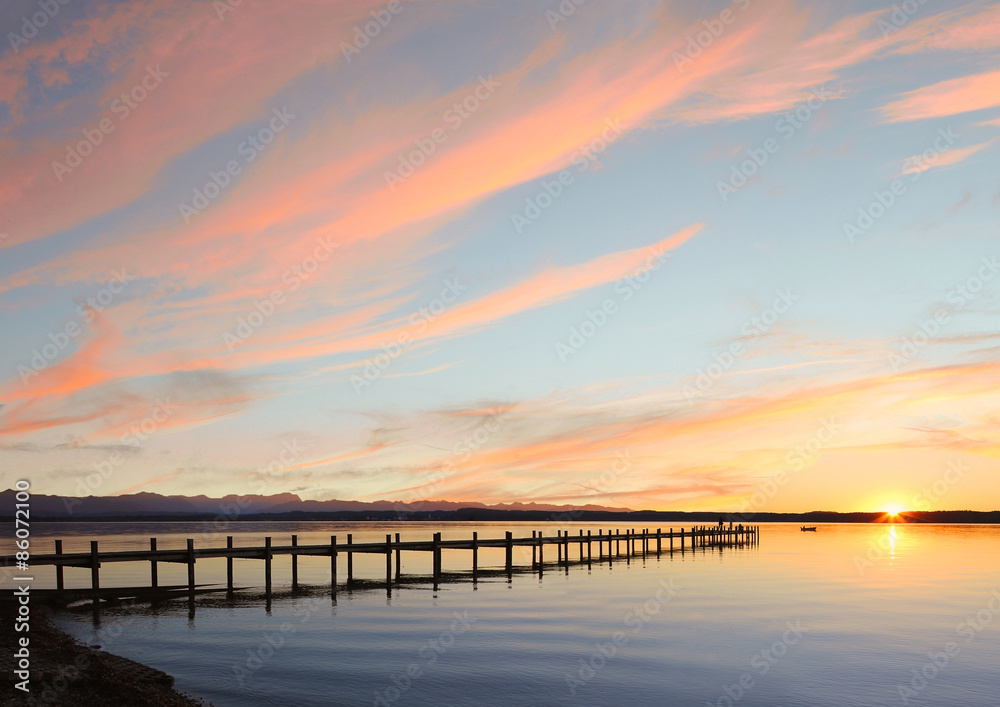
point(950, 97)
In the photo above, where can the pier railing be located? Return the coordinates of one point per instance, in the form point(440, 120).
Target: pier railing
point(610, 545)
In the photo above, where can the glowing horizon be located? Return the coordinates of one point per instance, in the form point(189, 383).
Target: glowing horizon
point(727, 257)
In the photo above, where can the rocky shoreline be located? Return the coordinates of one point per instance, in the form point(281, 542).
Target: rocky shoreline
point(67, 672)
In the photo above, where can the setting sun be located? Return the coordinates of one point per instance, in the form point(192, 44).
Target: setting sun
point(893, 510)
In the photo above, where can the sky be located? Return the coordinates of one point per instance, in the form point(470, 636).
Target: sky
point(654, 255)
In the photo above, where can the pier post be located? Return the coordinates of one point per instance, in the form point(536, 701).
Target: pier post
point(541, 552)
point(95, 568)
point(437, 558)
point(267, 568)
point(350, 559)
point(559, 548)
point(333, 565)
point(399, 561)
point(581, 544)
point(618, 543)
point(295, 565)
point(229, 564)
point(589, 549)
point(59, 568)
point(534, 551)
point(388, 563)
point(152, 564)
point(659, 540)
point(510, 556)
point(190, 564)
point(475, 555)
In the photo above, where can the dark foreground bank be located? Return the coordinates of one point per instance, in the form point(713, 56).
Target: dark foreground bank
point(65, 672)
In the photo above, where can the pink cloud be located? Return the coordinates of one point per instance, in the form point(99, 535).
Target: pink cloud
point(951, 97)
point(920, 163)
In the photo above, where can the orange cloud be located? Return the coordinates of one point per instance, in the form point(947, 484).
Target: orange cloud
point(656, 455)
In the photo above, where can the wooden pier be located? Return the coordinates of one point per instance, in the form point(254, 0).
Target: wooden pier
point(600, 547)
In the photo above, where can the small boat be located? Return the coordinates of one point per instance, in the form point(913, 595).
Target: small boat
point(804, 528)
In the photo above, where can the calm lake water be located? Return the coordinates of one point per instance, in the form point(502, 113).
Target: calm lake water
point(849, 615)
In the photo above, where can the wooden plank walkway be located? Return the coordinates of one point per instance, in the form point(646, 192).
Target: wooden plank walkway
point(609, 547)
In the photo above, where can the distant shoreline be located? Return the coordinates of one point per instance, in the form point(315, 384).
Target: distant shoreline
point(571, 516)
